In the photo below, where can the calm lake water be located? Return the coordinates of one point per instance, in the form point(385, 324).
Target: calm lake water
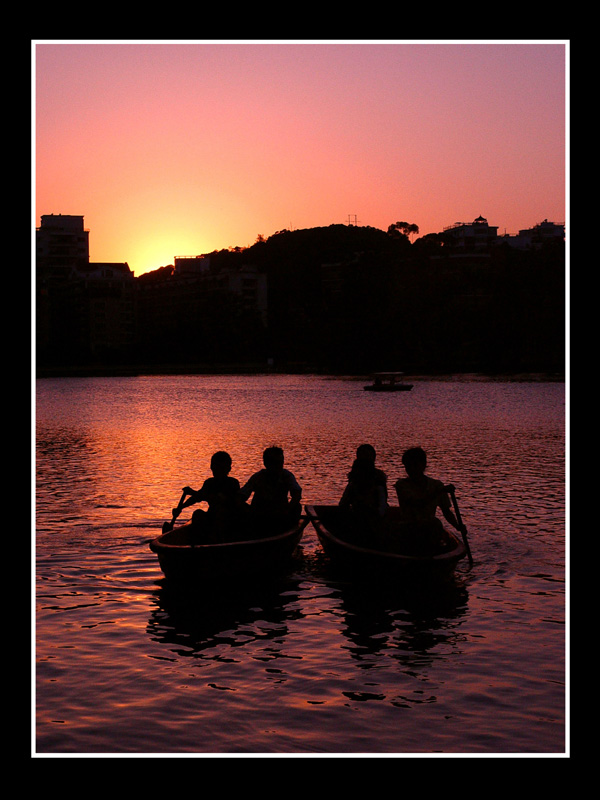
point(308, 665)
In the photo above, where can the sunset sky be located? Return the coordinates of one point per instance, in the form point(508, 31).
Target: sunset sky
point(182, 148)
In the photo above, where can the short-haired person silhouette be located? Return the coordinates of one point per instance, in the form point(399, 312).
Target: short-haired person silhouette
point(221, 492)
point(276, 494)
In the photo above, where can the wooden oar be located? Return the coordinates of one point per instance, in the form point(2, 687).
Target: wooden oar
point(463, 529)
point(168, 526)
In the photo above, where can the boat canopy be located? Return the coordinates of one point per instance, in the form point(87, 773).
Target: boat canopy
point(384, 377)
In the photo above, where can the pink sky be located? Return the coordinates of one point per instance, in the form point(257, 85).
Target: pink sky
point(184, 148)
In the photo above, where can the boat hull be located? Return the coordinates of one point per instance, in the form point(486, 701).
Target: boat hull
point(181, 559)
point(374, 563)
point(388, 382)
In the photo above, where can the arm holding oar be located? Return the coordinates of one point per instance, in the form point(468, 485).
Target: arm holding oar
point(462, 528)
point(168, 526)
point(194, 496)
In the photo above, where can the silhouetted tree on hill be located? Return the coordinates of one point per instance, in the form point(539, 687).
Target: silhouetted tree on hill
point(403, 229)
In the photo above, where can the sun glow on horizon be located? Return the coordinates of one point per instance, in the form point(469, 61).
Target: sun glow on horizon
point(150, 243)
point(171, 149)
point(154, 251)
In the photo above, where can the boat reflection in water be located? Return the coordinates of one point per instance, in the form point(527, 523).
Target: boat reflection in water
point(392, 620)
point(400, 634)
point(212, 616)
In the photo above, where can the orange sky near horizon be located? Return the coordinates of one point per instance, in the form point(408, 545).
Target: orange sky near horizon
point(181, 148)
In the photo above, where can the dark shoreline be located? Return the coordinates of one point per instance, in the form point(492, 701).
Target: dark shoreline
point(131, 371)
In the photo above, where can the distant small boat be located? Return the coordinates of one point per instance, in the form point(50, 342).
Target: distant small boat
point(247, 559)
point(388, 382)
point(364, 561)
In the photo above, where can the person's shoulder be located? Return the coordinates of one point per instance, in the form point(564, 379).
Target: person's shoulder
point(259, 478)
point(252, 479)
point(290, 479)
point(436, 484)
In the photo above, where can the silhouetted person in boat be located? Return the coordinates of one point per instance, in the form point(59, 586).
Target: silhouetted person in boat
point(221, 493)
point(364, 493)
point(366, 453)
point(419, 497)
point(365, 497)
point(275, 505)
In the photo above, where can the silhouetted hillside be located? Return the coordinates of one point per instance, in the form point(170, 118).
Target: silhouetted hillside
point(355, 299)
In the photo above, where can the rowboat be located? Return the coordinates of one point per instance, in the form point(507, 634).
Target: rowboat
point(368, 560)
point(181, 558)
point(388, 382)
